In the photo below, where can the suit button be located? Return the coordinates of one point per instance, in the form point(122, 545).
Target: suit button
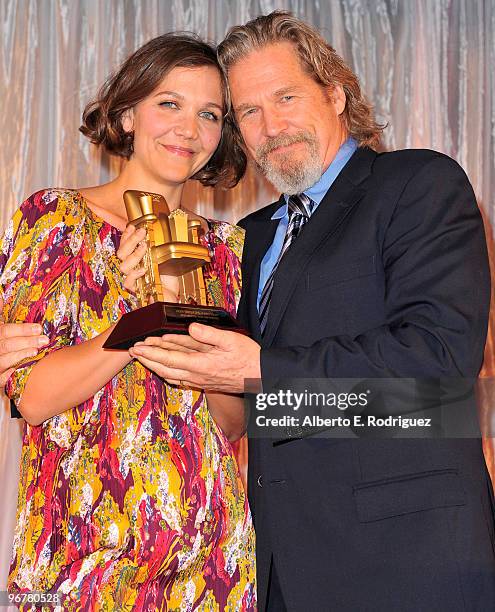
point(294, 432)
point(260, 481)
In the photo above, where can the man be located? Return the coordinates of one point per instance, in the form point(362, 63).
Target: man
point(369, 265)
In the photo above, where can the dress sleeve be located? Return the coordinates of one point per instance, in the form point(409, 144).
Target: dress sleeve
point(38, 276)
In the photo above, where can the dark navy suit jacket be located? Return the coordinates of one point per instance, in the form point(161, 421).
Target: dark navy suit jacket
point(389, 278)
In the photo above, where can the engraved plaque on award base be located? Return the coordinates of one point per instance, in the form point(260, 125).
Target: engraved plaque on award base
point(173, 248)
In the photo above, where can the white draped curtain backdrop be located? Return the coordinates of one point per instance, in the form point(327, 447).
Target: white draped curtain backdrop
point(427, 66)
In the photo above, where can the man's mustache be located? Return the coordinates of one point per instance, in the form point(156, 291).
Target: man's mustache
point(282, 140)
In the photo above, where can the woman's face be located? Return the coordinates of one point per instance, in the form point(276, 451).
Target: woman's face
point(178, 126)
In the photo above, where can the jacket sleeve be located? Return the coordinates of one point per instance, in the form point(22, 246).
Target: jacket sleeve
point(436, 295)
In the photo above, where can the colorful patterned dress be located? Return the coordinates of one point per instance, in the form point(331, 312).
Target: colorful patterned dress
point(131, 500)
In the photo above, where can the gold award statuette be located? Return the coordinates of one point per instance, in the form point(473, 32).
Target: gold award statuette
point(174, 249)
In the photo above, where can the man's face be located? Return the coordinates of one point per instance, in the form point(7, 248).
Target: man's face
point(290, 124)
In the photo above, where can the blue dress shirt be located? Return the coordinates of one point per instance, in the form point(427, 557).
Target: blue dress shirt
point(316, 193)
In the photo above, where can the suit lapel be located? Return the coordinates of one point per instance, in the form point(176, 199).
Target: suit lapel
point(338, 202)
point(258, 240)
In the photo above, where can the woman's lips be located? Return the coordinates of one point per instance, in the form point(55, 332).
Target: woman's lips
point(180, 151)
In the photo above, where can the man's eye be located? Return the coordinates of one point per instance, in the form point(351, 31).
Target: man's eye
point(287, 98)
point(168, 104)
point(248, 112)
point(209, 115)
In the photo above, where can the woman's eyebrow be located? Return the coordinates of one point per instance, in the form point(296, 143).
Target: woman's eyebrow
point(175, 94)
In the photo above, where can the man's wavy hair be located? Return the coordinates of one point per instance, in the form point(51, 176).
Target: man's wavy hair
point(137, 78)
point(318, 59)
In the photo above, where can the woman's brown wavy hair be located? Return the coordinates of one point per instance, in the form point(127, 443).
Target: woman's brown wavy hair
point(137, 78)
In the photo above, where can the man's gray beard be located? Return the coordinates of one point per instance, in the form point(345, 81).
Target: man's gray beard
point(290, 175)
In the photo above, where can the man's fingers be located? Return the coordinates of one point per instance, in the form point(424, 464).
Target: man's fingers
point(18, 341)
point(211, 335)
point(171, 360)
point(13, 330)
point(4, 377)
point(193, 344)
point(9, 360)
point(12, 344)
point(178, 342)
point(175, 383)
point(164, 343)
point(170, 346)
point(169, 374)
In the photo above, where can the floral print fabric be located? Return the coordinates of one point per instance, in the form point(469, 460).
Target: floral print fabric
point(131, 500)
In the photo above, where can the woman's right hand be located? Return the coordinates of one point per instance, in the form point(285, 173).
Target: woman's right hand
point(131, 251)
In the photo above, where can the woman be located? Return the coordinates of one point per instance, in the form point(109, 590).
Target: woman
point(130, 497)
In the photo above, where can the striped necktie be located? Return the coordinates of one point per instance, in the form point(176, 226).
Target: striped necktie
point(300, 209)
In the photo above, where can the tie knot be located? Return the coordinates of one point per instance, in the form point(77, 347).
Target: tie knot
point(300, 204)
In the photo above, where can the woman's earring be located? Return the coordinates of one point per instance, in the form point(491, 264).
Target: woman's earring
point(129, 141)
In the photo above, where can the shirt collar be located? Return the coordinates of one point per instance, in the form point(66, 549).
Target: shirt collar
point(318, 190)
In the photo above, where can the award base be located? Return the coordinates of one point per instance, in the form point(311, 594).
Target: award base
point(162, 318)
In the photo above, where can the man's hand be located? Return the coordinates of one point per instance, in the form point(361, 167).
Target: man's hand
point(18, 341)
point(208, 358)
